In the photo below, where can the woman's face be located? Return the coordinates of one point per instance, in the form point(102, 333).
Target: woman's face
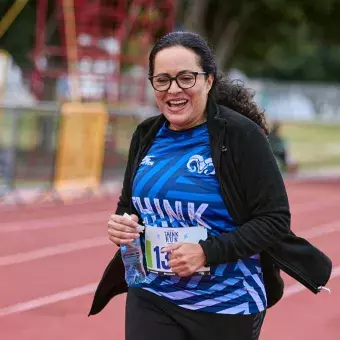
point(182, 108)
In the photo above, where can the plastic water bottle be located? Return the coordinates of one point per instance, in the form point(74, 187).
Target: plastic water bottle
point(132, 257)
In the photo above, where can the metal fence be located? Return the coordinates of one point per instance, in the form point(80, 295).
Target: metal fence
point(298, 101)
point(29, 144)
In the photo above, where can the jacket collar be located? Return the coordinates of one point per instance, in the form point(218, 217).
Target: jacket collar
point(216, 122)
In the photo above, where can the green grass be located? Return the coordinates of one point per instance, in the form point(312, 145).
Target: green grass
point(314, 146)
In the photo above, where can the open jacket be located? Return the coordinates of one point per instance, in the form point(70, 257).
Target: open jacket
point(254, 194)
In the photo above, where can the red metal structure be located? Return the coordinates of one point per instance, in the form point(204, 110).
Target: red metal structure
point(94, 44)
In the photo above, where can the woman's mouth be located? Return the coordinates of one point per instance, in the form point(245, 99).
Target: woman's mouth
point(177, 104)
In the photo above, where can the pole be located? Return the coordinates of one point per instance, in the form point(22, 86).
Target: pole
point(11, 14)
point(71, 48)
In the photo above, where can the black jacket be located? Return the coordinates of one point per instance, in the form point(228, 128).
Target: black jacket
point(255, 196)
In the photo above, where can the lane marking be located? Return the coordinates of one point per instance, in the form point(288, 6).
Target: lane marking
point(293, 289)
point(54, 250)
point(47, 300)
point(321, 230)
point(314, 206)
point(99, 216)
point(90, 288)
point(298, 287)
point(47, 223)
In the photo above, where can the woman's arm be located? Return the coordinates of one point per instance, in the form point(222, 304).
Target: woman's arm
point(265, 198)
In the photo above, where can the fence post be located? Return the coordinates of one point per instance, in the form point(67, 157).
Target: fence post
point(8, 159)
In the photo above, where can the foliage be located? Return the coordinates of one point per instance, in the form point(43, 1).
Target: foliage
point(284, 39)
point(18, 40)
point(287, 39)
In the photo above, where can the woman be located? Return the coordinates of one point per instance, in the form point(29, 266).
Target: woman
point(202, 178)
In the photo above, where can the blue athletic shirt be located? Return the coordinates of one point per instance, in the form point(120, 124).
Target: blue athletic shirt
point(176, 186)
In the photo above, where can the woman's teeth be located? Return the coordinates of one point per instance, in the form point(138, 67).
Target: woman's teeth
point(177, 103)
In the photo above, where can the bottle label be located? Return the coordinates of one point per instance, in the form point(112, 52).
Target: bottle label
point(157, 238)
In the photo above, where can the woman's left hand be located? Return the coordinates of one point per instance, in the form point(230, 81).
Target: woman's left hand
point(185, 258)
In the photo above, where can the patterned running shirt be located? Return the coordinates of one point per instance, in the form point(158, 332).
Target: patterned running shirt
point(176, 186)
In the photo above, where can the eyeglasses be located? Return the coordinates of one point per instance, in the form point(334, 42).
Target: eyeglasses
point(184, 80)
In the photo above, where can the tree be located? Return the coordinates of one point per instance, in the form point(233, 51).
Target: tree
point(287, 39)
point(264, 32)
point(18, 40)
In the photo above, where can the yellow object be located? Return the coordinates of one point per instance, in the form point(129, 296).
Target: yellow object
point(4, 60)
point(81, 145)
point(11, 14)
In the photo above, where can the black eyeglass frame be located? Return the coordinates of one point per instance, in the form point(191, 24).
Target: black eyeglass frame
point(175, 79)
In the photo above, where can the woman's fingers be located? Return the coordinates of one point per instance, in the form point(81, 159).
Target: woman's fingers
point(121, 227)
point(122, 223)
point(134, 218)
point(122, 230)
point(125, 220)
point(122, 234)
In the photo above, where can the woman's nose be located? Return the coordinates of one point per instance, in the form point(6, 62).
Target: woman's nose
point(174, 88)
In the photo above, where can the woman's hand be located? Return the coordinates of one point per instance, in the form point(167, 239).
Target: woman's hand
point(185, 258)
point(122, 230)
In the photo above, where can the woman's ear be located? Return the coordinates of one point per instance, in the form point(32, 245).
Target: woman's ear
point(210, 82)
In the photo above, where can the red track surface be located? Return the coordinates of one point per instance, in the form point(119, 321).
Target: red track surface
point(51, 258)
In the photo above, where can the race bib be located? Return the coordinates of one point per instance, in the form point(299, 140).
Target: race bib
point(157, 238)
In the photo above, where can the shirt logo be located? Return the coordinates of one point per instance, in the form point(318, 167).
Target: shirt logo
point(200, 165)
point(147, 160)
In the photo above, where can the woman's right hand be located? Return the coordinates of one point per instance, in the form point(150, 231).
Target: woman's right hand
point(122, 230)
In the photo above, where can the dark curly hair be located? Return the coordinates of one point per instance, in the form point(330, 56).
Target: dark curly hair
point(232, 94)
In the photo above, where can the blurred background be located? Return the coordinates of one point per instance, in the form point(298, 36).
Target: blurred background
point(73, 87)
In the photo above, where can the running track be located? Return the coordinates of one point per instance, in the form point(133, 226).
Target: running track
point(51, 258)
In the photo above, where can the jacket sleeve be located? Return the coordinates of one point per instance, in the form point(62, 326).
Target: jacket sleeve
point(124, 201)
point(265, 199)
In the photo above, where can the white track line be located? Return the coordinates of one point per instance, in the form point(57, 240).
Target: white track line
point(64, 248)
point(297, 287)
point(47, 300)
point(84, 290)
point(47, 223)
point(97, 217)
point(299, 208)
point(320, 230)
point(54, 250)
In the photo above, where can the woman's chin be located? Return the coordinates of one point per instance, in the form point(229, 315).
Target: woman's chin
point(179, 123)
point(176, 119)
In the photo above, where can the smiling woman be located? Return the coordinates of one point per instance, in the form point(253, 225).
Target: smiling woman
point(183, 52)
point(181, 87)
point(203, 180)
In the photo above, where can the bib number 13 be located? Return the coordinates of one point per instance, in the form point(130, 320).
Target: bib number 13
point(155, 259)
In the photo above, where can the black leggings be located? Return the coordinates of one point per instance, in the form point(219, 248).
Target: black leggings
point(150, 317)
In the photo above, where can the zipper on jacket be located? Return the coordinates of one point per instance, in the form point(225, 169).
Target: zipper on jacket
point(297, 275)
point(226, 197)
